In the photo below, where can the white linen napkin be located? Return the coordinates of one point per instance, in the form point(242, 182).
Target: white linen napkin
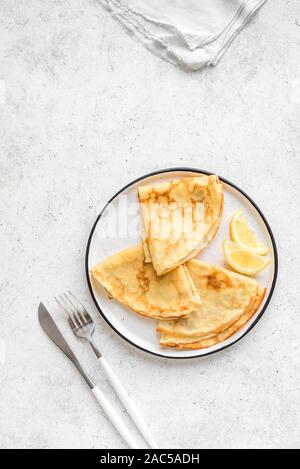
point(189, 33)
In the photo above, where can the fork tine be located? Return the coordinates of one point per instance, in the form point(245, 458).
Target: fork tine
point(75, 311)
point(72, 314)
point(78, 301)
point(62, 308)
point(84, 312)
point(73, 321)
point(66, 313)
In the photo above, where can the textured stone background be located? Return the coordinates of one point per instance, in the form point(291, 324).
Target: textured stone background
point(84, 109)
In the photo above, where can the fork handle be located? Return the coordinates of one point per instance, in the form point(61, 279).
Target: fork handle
point(128, 403)
point(114, 418)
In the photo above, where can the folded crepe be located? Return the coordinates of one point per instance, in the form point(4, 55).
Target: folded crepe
point(228, 300)
point(128, 279)
point(179, 219)
point(208, 341)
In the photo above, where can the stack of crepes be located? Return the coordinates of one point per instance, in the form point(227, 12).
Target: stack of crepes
point(197, 304)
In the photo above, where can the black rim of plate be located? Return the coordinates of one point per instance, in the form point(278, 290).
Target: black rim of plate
point(190, 170)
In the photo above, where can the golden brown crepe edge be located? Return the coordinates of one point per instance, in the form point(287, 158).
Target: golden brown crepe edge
point(213, 234)
point(160, 327)
point(223, 327)
point(221, 337)
point(194, 298)
point(167, 316)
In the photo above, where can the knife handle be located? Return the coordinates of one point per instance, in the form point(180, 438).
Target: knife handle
point(114, 418)
point(128, 403)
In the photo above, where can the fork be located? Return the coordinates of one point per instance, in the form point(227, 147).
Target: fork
point(83, 327)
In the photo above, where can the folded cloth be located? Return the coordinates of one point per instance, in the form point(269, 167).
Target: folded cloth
point(189, 33)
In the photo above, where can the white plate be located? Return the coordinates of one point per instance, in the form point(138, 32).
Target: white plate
point(110, 235)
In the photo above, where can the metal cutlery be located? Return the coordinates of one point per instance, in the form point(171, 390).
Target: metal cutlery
point(83, 327)
point(52, 331)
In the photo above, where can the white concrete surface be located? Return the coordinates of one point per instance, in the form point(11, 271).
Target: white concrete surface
point(84, 109)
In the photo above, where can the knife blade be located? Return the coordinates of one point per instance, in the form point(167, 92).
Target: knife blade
point(52, 331)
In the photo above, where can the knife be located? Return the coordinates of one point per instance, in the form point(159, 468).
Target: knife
point(52, 331)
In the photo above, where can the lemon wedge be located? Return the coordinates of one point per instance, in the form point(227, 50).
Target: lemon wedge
point(241, 233)
point(242, 260)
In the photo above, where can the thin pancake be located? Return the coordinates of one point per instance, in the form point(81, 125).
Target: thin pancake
point(179, 219)
point(225, 296)
point(173, 341)
point(128, 279)
point(194, 344)
point(144, 241)
point(210, 234)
